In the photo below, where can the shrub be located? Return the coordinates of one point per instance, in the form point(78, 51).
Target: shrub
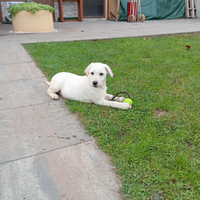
point(32, 7)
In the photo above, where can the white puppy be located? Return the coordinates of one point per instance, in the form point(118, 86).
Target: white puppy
point(90, 88)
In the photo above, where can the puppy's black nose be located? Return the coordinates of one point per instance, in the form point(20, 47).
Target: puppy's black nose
point(95, 83)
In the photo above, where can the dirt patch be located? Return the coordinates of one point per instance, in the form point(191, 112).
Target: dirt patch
point(158, 113)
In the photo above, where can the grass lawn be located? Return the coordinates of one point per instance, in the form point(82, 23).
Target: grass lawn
point(155, 146)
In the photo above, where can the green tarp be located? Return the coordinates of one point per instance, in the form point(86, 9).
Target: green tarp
point(156, 9)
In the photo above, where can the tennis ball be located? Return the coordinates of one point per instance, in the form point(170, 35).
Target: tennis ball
point(127, 100)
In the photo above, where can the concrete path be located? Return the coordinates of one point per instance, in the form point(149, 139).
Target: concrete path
point(45, 154)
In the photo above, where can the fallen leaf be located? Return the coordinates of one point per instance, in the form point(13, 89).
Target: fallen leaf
point(188, 47)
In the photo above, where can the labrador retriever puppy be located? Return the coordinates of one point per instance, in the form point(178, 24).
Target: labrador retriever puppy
point(90, 88)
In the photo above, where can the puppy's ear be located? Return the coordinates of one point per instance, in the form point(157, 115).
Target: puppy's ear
point(87, 70)
point(109, 70)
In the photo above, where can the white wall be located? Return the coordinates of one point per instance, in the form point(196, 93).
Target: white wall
point(197, 4)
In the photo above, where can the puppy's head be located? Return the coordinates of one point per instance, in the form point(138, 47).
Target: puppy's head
point(96, 72)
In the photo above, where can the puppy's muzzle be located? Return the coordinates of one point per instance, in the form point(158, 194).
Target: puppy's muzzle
point(95, 83)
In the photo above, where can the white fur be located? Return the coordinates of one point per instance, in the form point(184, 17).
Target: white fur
point(83, 88)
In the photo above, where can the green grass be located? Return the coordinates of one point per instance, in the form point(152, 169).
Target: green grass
point(156, 157)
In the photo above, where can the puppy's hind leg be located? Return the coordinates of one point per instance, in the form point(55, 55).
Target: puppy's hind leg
point(52, 90)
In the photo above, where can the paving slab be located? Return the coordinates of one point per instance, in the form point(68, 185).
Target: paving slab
point(32, 130)
point(80, 172)
point(19, 71)
point(18, 56)
point(12, 47)
point(20, 93)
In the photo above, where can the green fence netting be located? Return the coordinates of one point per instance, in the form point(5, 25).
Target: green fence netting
point(156, 9)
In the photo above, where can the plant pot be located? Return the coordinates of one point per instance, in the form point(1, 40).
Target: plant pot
point(39, 21)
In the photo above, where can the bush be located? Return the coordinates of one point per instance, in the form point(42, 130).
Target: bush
point(32, 7)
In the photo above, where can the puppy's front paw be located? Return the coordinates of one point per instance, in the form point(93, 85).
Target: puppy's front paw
point(126, 106)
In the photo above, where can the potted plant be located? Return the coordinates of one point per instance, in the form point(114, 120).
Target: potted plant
point(31, 17)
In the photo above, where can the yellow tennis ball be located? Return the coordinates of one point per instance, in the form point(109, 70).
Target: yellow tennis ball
point(127, 100)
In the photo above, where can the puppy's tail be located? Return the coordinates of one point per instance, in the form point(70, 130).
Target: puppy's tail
point(48, 83)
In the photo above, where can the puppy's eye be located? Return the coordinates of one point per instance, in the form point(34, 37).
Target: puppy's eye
point(101, 74)
point(92, 73)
